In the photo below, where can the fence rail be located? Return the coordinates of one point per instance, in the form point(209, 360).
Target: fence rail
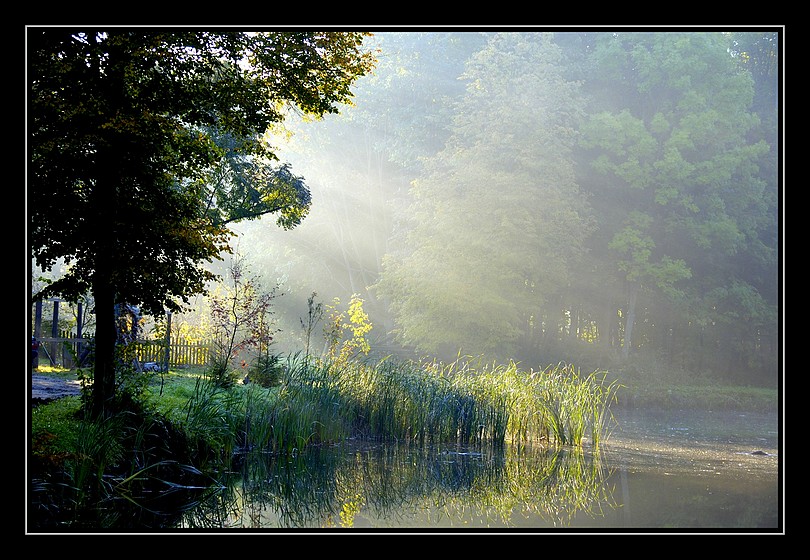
point(69, 352)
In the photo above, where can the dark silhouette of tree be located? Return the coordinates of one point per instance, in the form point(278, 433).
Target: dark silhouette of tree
point(144, 144)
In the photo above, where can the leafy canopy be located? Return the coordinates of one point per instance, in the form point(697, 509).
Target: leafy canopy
point(144, 144)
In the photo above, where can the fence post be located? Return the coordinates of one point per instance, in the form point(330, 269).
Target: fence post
point(37, 328)
point(54, 329)
point(168, 339)
point(79, 325)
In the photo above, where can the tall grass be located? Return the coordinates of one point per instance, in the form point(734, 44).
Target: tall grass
point(463, 401)
point(212, 416)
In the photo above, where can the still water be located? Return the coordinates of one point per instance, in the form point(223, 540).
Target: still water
point(667, 472)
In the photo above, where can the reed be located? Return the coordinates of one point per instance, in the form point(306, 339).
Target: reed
point(307, 406)
point(464, 401)
point(212, 416)
point(98, 446)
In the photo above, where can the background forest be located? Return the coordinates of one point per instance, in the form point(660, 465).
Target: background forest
point(605, 199)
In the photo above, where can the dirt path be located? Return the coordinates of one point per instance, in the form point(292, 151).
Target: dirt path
point(48, 387)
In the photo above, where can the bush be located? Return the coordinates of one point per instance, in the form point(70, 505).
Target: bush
point(221, 373)
point(266, 370)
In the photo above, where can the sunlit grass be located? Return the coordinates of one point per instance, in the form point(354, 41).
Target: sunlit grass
point(52, 370)
point(321, 401)
point(462, 402)
point(54, 426)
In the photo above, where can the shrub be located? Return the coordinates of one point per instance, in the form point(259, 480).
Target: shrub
point(266, 370)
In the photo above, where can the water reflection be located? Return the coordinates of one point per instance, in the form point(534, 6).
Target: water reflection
point(666, 472)
point(365, 485)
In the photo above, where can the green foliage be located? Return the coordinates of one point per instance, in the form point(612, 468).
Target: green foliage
point(677, 164)
point(127, 130)
point(346, 332)
point(266, 370)
point(241, 187)
point(496, 223)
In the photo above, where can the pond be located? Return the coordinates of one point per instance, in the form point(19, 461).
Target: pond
point(661, 472)
point(669, 472)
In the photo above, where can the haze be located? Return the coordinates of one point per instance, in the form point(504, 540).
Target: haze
point(607, 200)
point(523, 195)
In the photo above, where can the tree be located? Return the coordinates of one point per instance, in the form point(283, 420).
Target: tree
point(496, 220)
point(124, 128)
point(359, 164)
point(676, 178)
point(242, 318)
point(345, 333)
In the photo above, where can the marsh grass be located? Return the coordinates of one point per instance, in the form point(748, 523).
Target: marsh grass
point(466, 402)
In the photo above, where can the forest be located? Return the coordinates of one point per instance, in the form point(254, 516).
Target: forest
point(609, 199)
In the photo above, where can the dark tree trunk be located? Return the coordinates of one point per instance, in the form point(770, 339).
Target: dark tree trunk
point(104, 369)
point(104, 290)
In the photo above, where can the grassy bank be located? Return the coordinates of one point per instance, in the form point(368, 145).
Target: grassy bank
point(683, 391)
point(312, 401)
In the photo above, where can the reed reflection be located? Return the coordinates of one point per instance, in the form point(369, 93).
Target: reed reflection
point(383, 485)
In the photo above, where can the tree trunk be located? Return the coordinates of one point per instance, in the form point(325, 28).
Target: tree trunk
point(631, 318)
point(104, 369)
point(104, 199)
point(606, 327)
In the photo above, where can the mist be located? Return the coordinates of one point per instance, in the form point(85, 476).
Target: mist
point(544, 198)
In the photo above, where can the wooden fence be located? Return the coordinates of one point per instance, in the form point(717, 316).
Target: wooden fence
point(68, 351)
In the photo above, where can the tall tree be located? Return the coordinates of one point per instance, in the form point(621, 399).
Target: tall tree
point(669, 141)
point(123, 127)
point(496, 220)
